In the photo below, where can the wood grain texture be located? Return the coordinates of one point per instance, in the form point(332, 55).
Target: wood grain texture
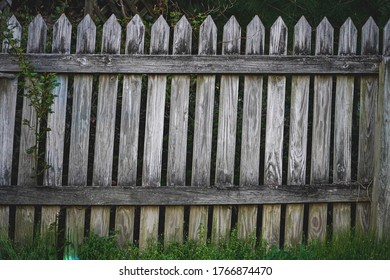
point(343, 127)
point(178, 129)
point(151, 171)
point(296, 172)
point(251, 130)
point(129, 131)
point(204, 109)
point(274, 134)
point(8, 93)
point(369, 89)
point(79, 136)
point(320, 149)
point(227, 125)
point(24, 217)
point(105, 127)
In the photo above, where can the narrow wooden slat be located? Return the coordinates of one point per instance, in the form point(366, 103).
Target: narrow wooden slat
point(24, 217)
point(178, 126)
point(274, 134)
point(369, 86)
point(320, 149)
point(204, 109)
point(105, 127)
point(251, 130)
point(8, 93)
point(296, 173)
point(128, 141)
point(62, 31)
point(79, 137)
point(152, 159)
point(227, 125)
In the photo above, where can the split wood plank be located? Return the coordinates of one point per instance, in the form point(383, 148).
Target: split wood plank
point(296, 173)
point(24, 216)
point(369, 87)
point(8, 94)
point(178, 129)
point(129, 131)
point(227, 125)
point(320, 149)
point(251, 130)
point(79, 136)
point(105, 127)
point(274, 135)
point(151, 171)
point(203, 129)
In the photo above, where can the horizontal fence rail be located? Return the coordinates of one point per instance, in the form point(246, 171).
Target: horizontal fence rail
point(189, 140)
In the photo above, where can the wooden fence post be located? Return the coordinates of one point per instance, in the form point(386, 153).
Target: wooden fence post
point(381, 190)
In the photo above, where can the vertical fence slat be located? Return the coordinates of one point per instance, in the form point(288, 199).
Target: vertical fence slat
point(274, 134)
point(151, 172)
point(178, 126)
point(129, 131)
point(343, 127)
point(24, 216)
point(251, 130)
point(320, 151)
point(79, 136)
point(204, 109)
point(8, 93)
point(369, 86)
point(105, 127)
point(296, 173)
point(55, 140)
point(227, 125)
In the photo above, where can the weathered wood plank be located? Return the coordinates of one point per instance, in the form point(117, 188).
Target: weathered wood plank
point(343, 127)
point(151, 171)
point(204, 109)
point(8, 93)
point(183, 195)
point(296, 172)
point(274, 134)
point(79, 136)
point(251, 130)
point(369, 86)
point(129, 131)
point(178, 126)
point(320, 149)
point(227, 124)
point(62, 33)
point(194, 64)
point(24, 217)
point(105, 127)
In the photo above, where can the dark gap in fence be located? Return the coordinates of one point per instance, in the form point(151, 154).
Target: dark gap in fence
point(237, 157)
point(353, 216)
point(37, 221)
point(92, 129)
point(282, 225)
point(191, 129)
point(112, 220)
point(87, 221)
point(141, 134)
point(215, 130)
point(61, 234)
point(332, 116)
point(68, 126)
point(234, 219)
point(41, 153)
point(210, 222)
point(186, 221)
point(259, 222)
point(161, 222)
point(137, 214)
point(286, 131)
point(305, 223)
point(118, 115)
point(167, 111)
point(355, 130)
point(329, 222)
point(17, 132)
point(11, 229)
point(309, 130)
point(263, 129)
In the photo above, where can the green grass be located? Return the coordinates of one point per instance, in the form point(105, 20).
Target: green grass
point(346, 247)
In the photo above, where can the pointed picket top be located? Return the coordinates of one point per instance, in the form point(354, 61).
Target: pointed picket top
point(278, 40)
point(302, 37)
point(324, 38)
point(208, 37)
point(159, 42)
point(62, 34)
point(86, 36)
point(182, 37)
point(135, 36)
point(37, 31)
point(111, 39)
point(386, 39)
point(370, 37)
point(255, 37)
point(16, 30)
point(347, 38)
point(231, 39)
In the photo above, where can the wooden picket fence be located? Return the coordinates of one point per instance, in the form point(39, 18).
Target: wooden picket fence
point(261, 140)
